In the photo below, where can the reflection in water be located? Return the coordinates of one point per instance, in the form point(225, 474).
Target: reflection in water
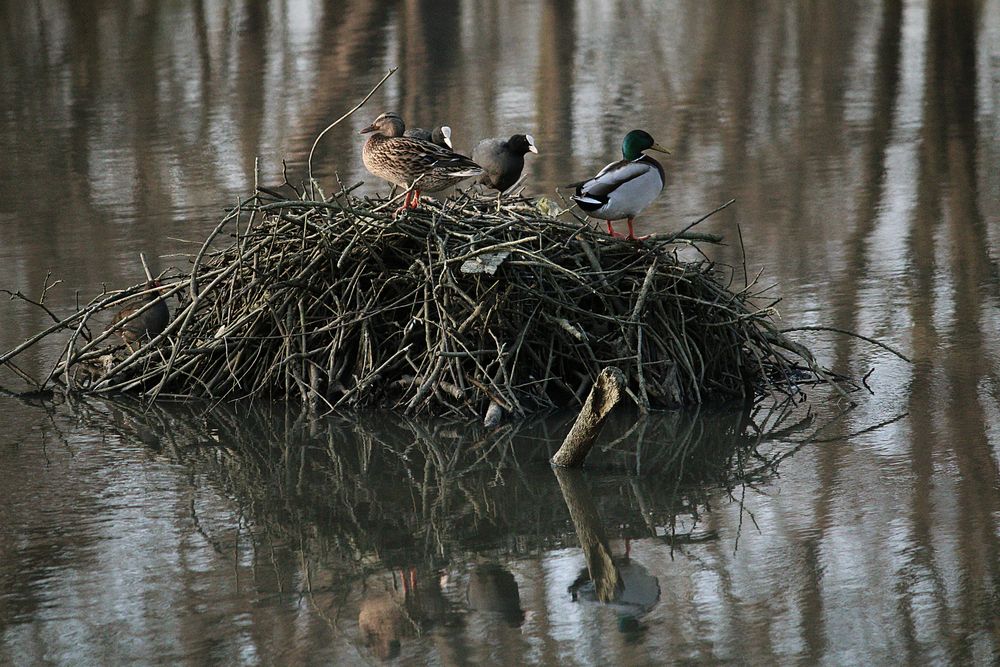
point(382, 620)
point(622, 583)
point(410, 608)
point(637, 593)
point(861, 143)
point(407, 538)
point(601, 568)
point(492, 588)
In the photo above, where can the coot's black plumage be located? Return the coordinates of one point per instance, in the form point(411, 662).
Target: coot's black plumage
point(440, 135)
point(503, 159)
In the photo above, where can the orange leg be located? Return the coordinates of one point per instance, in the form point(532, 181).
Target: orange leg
point(611, 230)
point(631, 233)
point(406, 204)
point(416, 199)
point(409, 578)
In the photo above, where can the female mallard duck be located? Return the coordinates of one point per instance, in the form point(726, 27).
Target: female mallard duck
point(412, 163)
point(440, 135)
point(622, 189)
point(503, 159)
point(149, 324)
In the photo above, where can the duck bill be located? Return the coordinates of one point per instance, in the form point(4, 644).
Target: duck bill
point(370, 128)
point(658, 147)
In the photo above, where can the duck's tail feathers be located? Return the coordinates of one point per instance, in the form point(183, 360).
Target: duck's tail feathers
point(466, 173)
point(588, 203)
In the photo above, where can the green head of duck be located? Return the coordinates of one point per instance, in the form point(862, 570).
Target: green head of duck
point(637, 141)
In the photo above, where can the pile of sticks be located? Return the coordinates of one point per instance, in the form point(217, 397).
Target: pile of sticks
point(468, 306)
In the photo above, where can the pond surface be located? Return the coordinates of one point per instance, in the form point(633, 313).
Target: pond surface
point(862, 143)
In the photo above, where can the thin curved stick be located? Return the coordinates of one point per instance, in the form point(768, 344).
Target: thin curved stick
point(309, 163)
point(880, 344)
point(676, 235)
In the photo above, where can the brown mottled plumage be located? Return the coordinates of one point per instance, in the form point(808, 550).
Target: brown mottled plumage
point(412, 163)
point(149, 324)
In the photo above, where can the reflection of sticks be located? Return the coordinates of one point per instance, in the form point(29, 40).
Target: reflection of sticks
point(855, 335)
point(606, 393)
point(855, 434)
point(640, 500)
point(589, 530)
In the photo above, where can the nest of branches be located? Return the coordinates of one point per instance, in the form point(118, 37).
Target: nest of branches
point(469, 306)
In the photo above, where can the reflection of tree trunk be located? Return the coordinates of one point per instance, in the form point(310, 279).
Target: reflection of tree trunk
point(426, 69)
point(144, 105)
point(554, 114)
point(950, 165)
point(644, 509)
point(204, 52)
point(590, 532)
point(415, 57)
point(888, 54)
point(356, 39)
point(822, 82)
point(252, 55)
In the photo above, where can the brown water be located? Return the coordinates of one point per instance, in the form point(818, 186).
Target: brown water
point(862, 143)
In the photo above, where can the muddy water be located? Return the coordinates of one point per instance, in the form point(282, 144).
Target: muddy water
point(861, 142)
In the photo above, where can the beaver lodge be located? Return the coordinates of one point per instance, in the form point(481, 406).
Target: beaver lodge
point(451, 308)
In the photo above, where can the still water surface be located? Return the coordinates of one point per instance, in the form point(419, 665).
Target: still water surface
point(861, 141)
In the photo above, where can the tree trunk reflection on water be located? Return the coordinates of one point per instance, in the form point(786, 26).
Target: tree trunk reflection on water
point(860, 140)
point(948, 168)
point(590, 532)
point(391, 521)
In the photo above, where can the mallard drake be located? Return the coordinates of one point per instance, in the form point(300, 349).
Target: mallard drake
point(440, 135)
point(503, 159)
point(147, 325)
point(622, 189)
point(412, 163)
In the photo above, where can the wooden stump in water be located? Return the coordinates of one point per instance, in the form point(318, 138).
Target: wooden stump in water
point(604, 396)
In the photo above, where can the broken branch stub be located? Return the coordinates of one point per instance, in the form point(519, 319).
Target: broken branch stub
point(606, 393)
